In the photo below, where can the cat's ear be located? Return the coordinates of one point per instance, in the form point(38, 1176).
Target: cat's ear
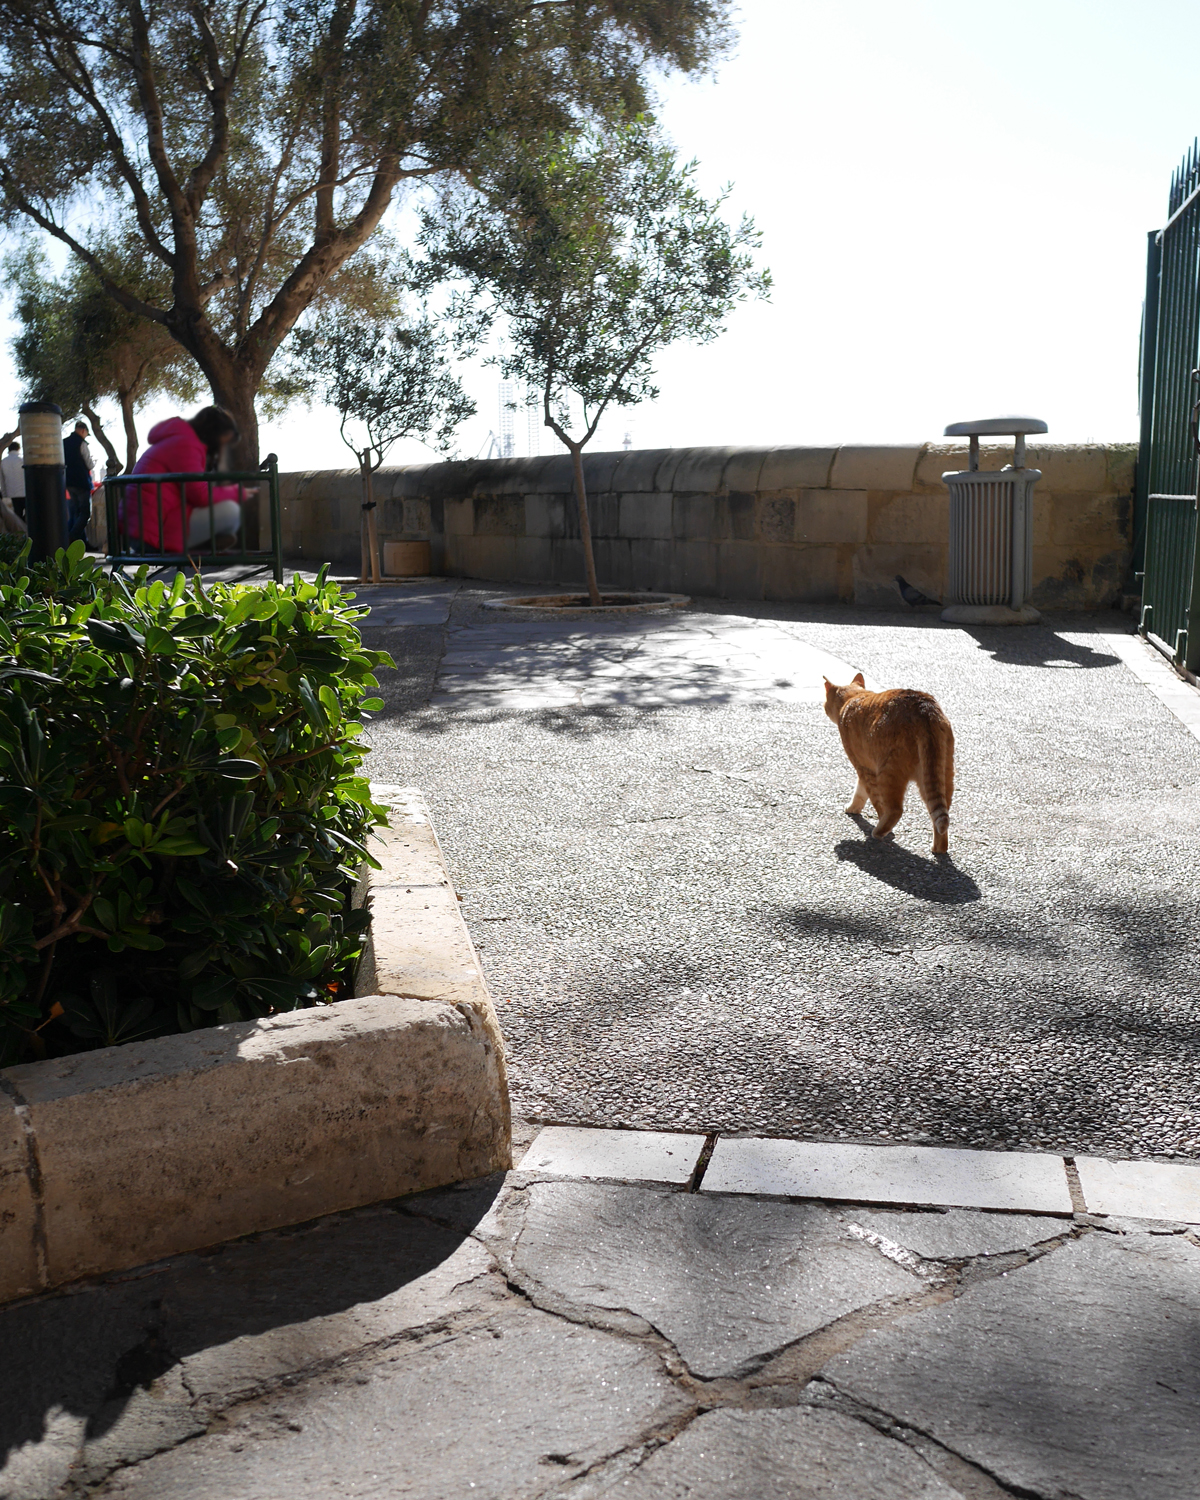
point(860, 679)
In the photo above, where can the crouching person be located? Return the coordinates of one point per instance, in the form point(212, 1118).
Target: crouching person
point(196, 515)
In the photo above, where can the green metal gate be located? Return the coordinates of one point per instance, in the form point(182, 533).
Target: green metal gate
point(1165, 514)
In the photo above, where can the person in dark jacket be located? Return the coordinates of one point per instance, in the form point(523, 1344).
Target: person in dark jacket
point(79, 464)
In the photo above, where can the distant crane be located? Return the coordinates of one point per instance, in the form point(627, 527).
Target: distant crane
point(508, 407)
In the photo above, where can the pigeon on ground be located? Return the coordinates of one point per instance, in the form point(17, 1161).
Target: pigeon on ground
point(911, 595)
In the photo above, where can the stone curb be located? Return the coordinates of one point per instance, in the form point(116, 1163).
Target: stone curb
point(1153, 669)
point(896, 1176)
point(115, 1158)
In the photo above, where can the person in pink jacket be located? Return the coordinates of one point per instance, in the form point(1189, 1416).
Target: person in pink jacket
point(185, 446)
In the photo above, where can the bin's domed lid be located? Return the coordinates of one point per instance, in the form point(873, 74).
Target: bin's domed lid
point(996, 427)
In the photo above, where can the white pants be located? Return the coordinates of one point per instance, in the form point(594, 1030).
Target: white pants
point(224, 518)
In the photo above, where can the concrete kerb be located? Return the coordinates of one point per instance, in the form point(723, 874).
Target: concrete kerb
point(894, 1176)
point(119, 1157)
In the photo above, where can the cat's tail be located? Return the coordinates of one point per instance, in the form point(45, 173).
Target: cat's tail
point(937, 787)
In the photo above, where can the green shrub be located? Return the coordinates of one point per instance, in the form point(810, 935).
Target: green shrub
point(181, 800)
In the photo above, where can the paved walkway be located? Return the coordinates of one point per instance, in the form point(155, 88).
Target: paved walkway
point(685, 931)
point(546, 1335)
point(825, 1273)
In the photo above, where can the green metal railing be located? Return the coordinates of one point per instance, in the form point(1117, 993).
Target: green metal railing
point(1171, 586)
point(1165, 531)
point(128, 549)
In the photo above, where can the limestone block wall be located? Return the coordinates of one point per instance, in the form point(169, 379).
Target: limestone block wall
point(801, 524)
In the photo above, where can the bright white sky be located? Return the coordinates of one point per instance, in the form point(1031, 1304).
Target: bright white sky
point(954, 197)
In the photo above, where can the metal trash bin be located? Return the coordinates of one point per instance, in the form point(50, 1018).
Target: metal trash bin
point(991, 530)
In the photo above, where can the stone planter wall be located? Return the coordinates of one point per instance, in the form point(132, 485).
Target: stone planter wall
point(118, 1157)
point(804, 524)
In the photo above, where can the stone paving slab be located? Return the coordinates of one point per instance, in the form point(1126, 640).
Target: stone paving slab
point(627, 1155)
point(1075, 1375)
point(958, 1233)
point(1021, 1181)
point(498, 1412)
point(110, 1373)
point(726, 1281)
point(1141, 1189)
point(796, 1454)
point(527, 1339)
point(394, 605)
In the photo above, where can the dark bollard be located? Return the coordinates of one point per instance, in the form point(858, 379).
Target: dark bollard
point(45, 478)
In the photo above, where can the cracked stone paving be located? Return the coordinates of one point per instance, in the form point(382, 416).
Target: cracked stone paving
point(683, 932)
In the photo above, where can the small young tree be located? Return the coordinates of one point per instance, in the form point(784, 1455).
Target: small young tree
point(386, 381)
point(598, 251)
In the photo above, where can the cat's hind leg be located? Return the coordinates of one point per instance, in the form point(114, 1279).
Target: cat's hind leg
point(859, 800)
point(888, 796)
point(888, 821)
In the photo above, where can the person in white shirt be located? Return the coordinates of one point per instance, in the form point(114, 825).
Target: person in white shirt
point(12, 478)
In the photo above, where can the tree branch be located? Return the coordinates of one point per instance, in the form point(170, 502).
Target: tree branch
point(43, 221)
point(110, 452)
point(141, 59)
point(319, 262)
point(71, 925)
point(79, 81)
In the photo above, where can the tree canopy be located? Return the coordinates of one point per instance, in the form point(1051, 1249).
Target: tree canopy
point(598, 251)
point(77, 347)
point(252, 148)
point(385, 380)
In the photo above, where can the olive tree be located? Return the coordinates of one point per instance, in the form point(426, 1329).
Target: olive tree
point(252, 149)
point(76, 347)
point(387, 381)
point(597, 251)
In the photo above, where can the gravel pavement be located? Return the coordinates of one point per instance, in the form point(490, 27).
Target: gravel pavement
point(683, 929)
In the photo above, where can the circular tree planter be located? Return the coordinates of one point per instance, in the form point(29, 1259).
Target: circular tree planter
point(570, 606)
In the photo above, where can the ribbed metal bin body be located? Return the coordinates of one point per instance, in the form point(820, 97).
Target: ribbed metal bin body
point(991, 536)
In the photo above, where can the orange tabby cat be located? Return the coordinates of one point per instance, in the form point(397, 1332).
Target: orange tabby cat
point(891, 739)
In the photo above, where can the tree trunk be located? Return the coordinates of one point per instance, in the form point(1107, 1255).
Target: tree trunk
point(364, 469)
point(131, 437)
point(370, 533)
point(114, 463)
point(234, 389)
point(585, 526)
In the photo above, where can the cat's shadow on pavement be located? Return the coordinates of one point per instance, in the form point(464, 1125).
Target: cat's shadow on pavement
point(930, 877)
